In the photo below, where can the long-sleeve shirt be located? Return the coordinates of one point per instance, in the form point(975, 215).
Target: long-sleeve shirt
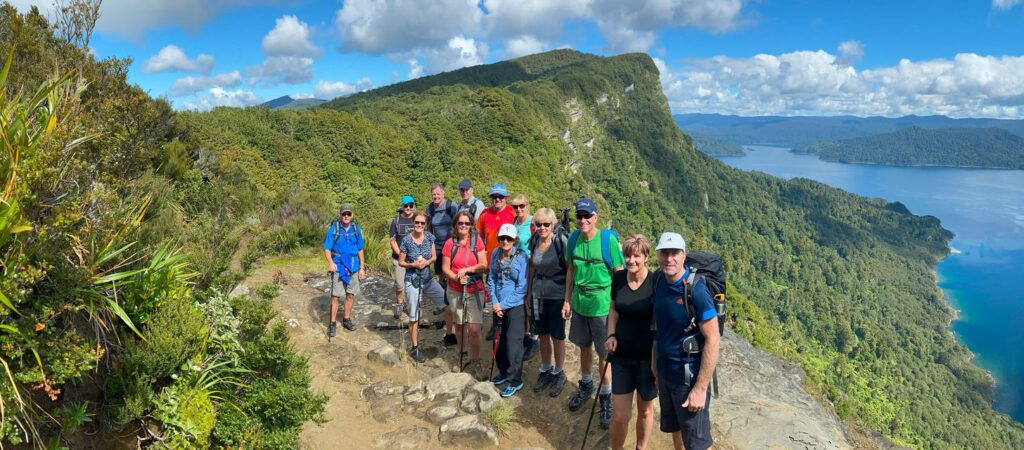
point(506, 279)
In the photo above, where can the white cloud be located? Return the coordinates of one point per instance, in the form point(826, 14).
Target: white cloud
point(415, 68)
point(290, 37)
point(173, 59)
point(186, 86)
point(290, 55)
point(301, 95)
point(392, 26)
point(331, 89)
point(539, 18)
point(1005, 4)
point(221, 97)
point(850, 52)
point(523, 45)
point(816, 83)
point(633, 25)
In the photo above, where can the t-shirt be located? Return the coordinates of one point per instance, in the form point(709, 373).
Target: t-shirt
point(463, 258)
point(475, 206)
point(441, 220)
point(549, 273)
point(344, 245)
point(672, 318)
point(414, 252)
point(591, 294)
point(524, 230)
point(399, 229)
point(489, 224)
point(635, 309)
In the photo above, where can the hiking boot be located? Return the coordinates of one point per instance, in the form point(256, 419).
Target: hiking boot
point(605, 401)
point(581, 396)
point(450, 340)
point(557, 384)
point(532, 348)
point(348, 325)
point(544, 379)
point(511, 390)
point(332, 329)
point(416, 355)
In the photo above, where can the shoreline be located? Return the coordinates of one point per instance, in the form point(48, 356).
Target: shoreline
point(955, 315)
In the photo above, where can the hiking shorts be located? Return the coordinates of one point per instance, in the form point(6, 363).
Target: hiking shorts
point(429, 290)
point(586, 331)
point(695, 426)
point(474, 307)
point(341, 288)
point(399, 274)
point(547, 318)
point(630, 375)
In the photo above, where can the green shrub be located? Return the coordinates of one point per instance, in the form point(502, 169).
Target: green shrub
point(187, 415)
point(501, 417)
point(268, 291)
point(176, 333)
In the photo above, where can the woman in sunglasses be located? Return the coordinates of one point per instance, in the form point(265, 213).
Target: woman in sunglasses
point(523, 221)
point(464, 260)
point(506, 282)
point(545, 293)
point(416, 254)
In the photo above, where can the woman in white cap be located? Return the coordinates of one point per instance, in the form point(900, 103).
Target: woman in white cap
point(507, 285)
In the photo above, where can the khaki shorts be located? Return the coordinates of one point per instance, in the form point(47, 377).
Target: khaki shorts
point(474, 305)
point(342, 289)
point(399, 275)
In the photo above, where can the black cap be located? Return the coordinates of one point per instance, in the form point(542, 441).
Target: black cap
point(465, 184)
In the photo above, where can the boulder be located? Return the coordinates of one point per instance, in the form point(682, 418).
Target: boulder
point(448, 385)
point(404, 439)
point(487, 393)
point(467, 431)
point(470, 403)
point(239, 291)
point(386, 409)
point(384, 354)
point(440, 414)
point(381, 389)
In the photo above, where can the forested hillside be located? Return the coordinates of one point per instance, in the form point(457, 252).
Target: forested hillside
point(563, 124)
point(915, 146)
point(122, 246)
point(714, 147)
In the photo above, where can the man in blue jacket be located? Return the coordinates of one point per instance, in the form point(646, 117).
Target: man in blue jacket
point(686, 346)
point(343, 248)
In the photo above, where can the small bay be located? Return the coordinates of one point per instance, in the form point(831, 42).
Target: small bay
point(982, 278)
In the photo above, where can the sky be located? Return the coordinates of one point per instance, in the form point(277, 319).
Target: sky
point(962, 58)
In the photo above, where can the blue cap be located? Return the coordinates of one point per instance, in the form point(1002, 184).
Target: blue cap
point(498, 189)
point(408, 199)
point(586, 205)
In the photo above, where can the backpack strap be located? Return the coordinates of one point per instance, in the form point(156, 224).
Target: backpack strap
point(606, 249)
point(571, 246)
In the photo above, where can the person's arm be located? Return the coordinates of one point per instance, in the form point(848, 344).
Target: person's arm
point(521, 280)
point(612, 343)
point(482, 264)
point(331, 267)
point(618, 259)
point(531, 272)
point(361, 244)
point(570, 282)
point(709, 354)
point(393, 233)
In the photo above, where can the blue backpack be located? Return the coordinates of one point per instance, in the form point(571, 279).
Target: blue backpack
point(606, 249)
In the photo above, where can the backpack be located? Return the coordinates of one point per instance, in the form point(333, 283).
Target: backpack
point(446, 207)
point(472, 244)
point(606, 243)
point(708, 266)
point(337, 235)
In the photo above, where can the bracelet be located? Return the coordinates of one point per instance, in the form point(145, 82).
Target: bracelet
point(610, 336)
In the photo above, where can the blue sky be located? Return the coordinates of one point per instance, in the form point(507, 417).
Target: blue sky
point(797, 57)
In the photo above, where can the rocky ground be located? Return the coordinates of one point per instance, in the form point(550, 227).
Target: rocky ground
point(381, 399)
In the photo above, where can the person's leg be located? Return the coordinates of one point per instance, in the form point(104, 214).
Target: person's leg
point(545, 351)
point(474, 308)
point(502, 356)
point(334, 309)
point(586, 362)
point(399, 275)
point(646, 395)
point(349, 301)
point(644, 420)
point(620, 419)
point(515, 317)
point(677, 440)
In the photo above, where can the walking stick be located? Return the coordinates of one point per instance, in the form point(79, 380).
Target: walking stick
point(331, 274)
point(462, 332)
point(607, 361)
point(494, 352)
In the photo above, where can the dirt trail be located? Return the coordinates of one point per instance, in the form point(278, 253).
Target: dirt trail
point(341, 369)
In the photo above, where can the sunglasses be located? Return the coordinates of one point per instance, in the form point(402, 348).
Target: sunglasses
point(466, 224)
point(344, 214)
point(506, 239)
point(409, 205)
point(497, 197)
point(419, 223)
point(543, 225)
point(580, 216)
point(518, 206)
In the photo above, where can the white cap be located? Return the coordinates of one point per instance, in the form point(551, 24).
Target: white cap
point(671, 241)
point(508, 230)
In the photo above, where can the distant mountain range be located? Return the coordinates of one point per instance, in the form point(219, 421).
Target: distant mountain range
point(916, 146)
point(794, 131)
point(287, 102)
point(715, 147)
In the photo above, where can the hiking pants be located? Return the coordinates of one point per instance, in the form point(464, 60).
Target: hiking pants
point(510, 344)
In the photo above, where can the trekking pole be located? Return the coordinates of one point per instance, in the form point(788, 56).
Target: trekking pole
point(330, 273)
point(462, 339)
point(494, 351)
point(607, 360)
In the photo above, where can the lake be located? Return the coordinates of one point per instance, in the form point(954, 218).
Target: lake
point(982, 278)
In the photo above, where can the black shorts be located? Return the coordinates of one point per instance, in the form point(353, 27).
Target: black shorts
point(696, 426)
point(549, 319)
point(630, 375)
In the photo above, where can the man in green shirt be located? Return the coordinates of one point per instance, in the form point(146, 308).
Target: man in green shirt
point(588, 298)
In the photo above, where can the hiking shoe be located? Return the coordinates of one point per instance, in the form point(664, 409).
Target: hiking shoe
point(450, 340)
point(499, 379)
point(416, 354)
point(557, 384)
point(581, 396)
point(544, 379)
point(397, 310)
point(332, 329)
point(348, 325)
point(605, 401)
point(511, 390)
point(532, 348)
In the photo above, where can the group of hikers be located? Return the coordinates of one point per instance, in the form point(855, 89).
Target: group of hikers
point(655, 333)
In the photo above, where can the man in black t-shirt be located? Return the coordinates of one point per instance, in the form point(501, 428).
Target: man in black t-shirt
point(400, 227)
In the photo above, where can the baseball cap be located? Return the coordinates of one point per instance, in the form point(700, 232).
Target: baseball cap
point(408, 199)
point(586, 205)
point(465, 184)
point(508, 230)
point(345, 208)
point(671, 241)
point(498, 189)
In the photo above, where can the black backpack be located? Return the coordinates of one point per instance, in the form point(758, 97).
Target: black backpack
point(710, 267)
